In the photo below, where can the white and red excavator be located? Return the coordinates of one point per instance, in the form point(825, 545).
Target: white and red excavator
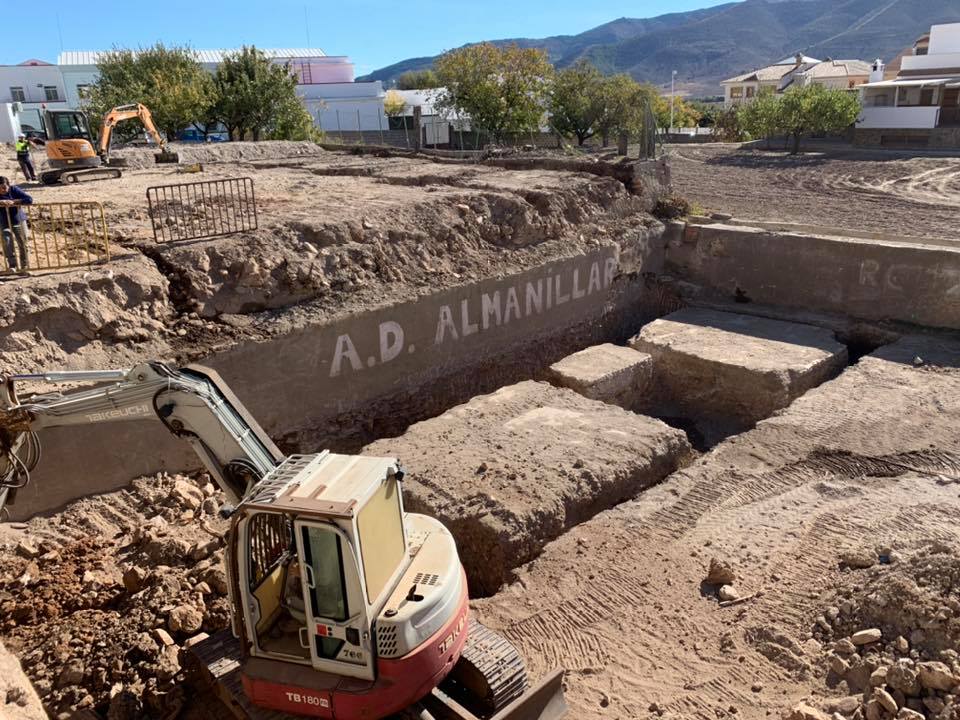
point(344, 605)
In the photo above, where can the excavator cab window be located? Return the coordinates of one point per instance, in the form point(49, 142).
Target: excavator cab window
point(69, 126)
point(325, 582)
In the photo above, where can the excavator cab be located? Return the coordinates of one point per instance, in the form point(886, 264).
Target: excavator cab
point(69, 145)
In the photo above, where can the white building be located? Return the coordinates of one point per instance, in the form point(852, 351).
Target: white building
point(924, 96)
point(797, 71)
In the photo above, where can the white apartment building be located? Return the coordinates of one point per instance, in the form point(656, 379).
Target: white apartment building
point(923, 96)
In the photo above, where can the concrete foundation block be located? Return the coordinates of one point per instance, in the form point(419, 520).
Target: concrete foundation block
point(609, 373)
point(510, 471)
point(734, 369)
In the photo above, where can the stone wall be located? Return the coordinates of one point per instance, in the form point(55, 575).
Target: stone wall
point(871, 280)
point(932, 139)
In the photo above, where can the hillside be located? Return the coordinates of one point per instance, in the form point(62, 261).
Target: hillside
point(708, 45)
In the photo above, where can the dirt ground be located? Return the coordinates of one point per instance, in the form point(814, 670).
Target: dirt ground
point(876, 191)
point(833, 519)
point(867, 462)
point(337, 234)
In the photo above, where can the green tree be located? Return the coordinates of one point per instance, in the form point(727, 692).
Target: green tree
point(418, 80)
point(816, 109)
point(169, 81)
point(684, 114)
point(502, 90)
point(622, 104)
point(254, 95)
point(576, 101)
point(726, 126)
point(761, 118)
point(394, 104)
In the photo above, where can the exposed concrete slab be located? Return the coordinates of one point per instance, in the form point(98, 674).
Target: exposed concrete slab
point(609, 373)
point(734, 369)
point(510, 471)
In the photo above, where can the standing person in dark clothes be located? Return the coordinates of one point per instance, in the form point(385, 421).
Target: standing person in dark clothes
point(23, 157)
point(13, 224)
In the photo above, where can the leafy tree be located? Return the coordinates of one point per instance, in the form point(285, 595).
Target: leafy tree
point(726, 126)
point(418, 80)
point(575, 101)
point(292, 121)
point(761, 118)
point(394, 104)
point(684, 114)
point(169, 81)
point(708, 112)
point(815, 109)
point(622, 104)
point(257, 96)
point(502, 90)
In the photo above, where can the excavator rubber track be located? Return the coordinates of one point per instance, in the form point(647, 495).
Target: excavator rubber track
point(90, 175)
point(489, 682)
point(490, 674)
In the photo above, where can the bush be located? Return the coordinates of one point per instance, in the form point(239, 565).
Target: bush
point(672, 207)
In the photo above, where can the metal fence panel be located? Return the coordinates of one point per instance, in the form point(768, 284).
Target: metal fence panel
point(210, 208)
point(54, 236)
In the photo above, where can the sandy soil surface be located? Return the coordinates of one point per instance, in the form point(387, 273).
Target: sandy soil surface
point(853, 190)
point(835, 516)
point(865, 463)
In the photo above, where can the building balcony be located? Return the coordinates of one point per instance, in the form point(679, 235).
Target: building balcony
point(918, 117)
point(930, 64)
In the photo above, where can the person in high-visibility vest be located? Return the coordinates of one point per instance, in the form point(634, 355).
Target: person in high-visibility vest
point(23, 157)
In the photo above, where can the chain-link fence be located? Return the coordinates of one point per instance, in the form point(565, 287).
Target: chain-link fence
point(53, 236)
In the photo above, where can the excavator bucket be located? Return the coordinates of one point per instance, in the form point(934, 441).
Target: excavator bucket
point(544, 701)
point(166, 156)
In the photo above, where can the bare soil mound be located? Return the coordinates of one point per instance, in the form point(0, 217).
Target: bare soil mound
point(98, 600)
point(140, 158)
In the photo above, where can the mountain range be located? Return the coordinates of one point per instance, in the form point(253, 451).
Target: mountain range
point(708, 45)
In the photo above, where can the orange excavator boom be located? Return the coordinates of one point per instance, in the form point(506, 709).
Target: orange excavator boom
point(127, 112)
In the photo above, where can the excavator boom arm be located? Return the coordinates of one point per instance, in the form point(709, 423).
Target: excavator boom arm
point(127, 112)
point(192, 403)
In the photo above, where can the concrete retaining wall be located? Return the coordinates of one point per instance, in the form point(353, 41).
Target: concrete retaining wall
point(363, 376)
point(868, 280)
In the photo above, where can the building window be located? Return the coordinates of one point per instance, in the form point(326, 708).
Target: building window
point(52, 93)
point(17, 94)
point(926, 97)
point(83, 92)
point(750, 92)
point(736, 92)
point(921, 51)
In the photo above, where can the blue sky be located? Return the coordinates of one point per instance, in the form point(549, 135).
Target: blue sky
point(373, 33)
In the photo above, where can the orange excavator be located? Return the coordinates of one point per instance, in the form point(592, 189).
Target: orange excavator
point(72, 154)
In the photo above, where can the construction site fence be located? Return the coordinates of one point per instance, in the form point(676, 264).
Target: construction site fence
point(53, 236)
point(439, 133)
point(206, 209)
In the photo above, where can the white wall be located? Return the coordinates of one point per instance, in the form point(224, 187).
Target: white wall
point(944, 39)
point(74, 75)
point(32, 78)
point(931, 62)
point(897, 117)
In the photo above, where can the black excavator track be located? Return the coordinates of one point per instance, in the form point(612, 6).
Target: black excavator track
point(490, 674)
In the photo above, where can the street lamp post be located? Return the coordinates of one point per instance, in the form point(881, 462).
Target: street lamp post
point(673, 78)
